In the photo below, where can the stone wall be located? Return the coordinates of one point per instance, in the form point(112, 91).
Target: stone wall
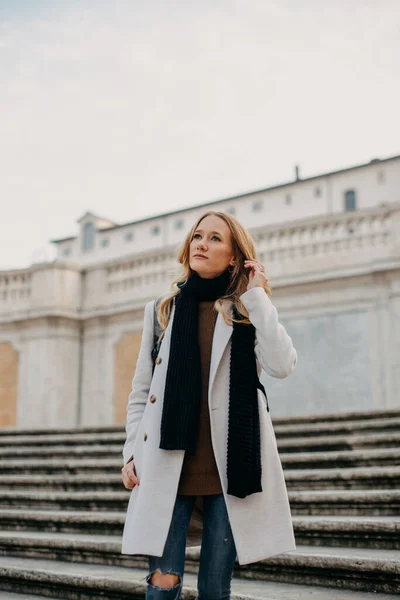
point(8, 384)
point(333, 372)
point(126, 354)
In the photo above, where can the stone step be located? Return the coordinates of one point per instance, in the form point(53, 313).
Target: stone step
point(339, 442)
point(356, 532)
point(74, 438)
point(358, 478)
point(345, 502)
point(338, 417)
point(348, 532)
point(391, 424)
point(66, 483)
point(361, 478)
point(63, 521)
point(299, 460)
point(63, 451)
point(12, 596)
point(342, 458)
point(113, 448)
point(353, 568)
point(355, 423)
point(272, 591)
point(50, 466)
point(81, 501)
point(315, 502)
point(50, 431)
point(375, 571)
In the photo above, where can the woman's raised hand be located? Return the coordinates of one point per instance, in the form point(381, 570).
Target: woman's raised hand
point(129, 477)
point(257, 275)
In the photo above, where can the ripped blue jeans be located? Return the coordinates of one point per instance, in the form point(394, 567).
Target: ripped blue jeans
point(217, 556)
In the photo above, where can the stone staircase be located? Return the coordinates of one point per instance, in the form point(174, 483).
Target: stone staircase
point(62, 509)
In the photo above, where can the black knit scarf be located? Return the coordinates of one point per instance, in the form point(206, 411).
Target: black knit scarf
point(181, 409)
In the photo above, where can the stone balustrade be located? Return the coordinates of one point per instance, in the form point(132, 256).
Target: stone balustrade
point(15, 288)
point(40, 290)
point(293, 252)
point(312, 247)
point(333, 245)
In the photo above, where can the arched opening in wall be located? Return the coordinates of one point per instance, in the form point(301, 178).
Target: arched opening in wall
point(8, 385)
point(125, 357)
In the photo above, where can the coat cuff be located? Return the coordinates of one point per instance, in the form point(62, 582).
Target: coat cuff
point(252, 298)
point(127, 453)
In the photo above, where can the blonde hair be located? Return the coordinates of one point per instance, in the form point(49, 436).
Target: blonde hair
point(244, 249)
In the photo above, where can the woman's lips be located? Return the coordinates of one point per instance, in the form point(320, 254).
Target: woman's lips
point(196, 256)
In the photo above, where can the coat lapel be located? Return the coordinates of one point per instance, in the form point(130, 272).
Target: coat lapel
point(222, 334)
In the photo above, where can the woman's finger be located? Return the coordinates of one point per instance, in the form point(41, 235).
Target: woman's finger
point(129, 477)
point(127, 484)
point(257, 276)
point(133, 477)
point(257, 266)
point(255, 261)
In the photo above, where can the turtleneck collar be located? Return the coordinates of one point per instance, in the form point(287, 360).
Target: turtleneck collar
point(206, 289)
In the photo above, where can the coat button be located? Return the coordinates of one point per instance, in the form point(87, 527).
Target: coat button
point(145, 436)
point(153, 399)
point(159, 360)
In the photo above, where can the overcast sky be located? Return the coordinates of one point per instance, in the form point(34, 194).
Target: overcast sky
point(133, 108)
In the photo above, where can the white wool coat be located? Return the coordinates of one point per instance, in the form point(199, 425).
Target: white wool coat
point(261, 523)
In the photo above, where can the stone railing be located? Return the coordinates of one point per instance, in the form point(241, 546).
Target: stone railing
point(41, 290)
point(109, 288)
point(340, 241)
point(327, 245)
point(15, 289)
point(140, 272)
point(335, 245)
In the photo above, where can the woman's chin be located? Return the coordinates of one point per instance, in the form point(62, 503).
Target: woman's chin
point(200, 270)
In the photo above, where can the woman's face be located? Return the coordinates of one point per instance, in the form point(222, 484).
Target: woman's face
point(211, 250)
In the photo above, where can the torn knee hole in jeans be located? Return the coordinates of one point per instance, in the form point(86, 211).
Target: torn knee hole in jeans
point(169, 572)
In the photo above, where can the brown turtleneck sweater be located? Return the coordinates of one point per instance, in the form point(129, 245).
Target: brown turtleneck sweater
point(199, 475)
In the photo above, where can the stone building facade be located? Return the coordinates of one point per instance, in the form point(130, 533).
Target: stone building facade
point(70, 329)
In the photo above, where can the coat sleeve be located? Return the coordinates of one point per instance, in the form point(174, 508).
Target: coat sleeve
point(273, 347)
point(140, 384)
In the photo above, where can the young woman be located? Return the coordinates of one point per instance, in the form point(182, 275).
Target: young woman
point(199, 425)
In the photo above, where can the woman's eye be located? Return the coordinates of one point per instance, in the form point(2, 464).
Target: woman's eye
point(214, 237)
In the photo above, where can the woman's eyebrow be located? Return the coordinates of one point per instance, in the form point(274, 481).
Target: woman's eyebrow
point(201, 231)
